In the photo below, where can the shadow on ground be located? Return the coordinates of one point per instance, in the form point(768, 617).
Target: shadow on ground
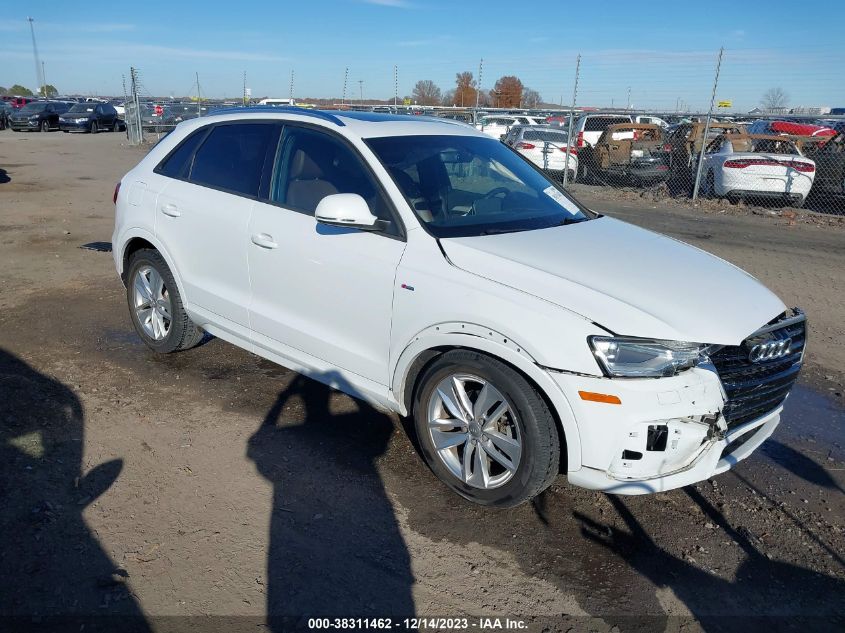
point(327, 489)
point(54, 575)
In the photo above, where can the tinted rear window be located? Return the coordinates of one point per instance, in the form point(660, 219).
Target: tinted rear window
point(176, 165)
point(600, 124)
point(232, 157)
point(545, 135)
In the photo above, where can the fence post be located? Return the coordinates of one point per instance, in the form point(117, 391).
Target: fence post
point(700, 165)
point(571, 115)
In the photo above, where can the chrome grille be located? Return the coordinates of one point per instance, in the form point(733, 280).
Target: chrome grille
point(756, 388)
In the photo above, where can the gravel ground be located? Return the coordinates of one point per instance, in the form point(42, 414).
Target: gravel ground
point(164, 493)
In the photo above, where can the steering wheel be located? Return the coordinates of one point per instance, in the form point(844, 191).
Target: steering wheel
point(495, 192)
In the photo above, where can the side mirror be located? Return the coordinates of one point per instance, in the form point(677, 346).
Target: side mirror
point(346, 209)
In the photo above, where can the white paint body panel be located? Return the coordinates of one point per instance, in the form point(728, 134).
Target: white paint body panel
point(355, 309)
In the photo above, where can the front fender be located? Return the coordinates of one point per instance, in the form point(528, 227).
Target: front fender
point(481, 339)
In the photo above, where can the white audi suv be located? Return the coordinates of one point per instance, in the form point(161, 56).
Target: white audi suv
point(432, 271)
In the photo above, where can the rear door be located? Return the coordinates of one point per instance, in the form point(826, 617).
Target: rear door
point(203, 213)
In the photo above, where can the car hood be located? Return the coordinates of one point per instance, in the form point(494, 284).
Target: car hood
point(628, 280)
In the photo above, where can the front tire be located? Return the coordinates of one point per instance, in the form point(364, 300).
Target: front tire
point(484, 430)
point(45, 126)
point(94, 127)
point(116, 126)
point(156, 307)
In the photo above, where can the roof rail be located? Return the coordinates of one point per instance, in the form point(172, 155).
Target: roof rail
point(317, 114)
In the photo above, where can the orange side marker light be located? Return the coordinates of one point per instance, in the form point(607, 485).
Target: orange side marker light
point(591, 396)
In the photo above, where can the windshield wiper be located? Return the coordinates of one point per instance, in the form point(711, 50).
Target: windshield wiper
point(495, 231)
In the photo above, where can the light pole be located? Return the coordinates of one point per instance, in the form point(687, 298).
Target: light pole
point(361, 90)
point(38, 69)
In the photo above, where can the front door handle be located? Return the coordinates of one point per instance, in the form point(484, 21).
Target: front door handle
point(171, 209)
point(264, 241)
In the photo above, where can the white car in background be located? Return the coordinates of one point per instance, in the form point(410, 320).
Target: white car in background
point(497, 125)
point(545, 147)
point(588, 128)
point(739, 166)
point(649, 119)
point(426, 268)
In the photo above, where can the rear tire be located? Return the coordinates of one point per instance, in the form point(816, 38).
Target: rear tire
point(156, 307)
point(503, 451)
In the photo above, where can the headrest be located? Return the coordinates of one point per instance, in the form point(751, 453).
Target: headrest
point(303, 167)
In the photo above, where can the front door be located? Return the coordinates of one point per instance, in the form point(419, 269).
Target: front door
point(322, 293)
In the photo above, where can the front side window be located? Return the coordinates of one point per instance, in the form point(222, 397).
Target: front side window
point(232, 157)
point(466, 186)
point(311, 165)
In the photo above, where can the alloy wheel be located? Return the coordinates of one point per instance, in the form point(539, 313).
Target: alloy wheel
point(151, 302)
point(474, 431)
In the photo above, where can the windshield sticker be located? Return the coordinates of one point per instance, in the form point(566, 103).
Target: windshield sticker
point(562, 200)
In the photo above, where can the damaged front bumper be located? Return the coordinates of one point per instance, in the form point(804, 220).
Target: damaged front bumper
point(665, 433)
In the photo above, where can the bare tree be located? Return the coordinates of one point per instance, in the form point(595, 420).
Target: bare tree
point(531, 98)
point(774, 99)
point(426, 92)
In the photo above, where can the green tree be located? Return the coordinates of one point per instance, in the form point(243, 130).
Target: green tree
point(49, 91)
point(3, 90)
point(19, 90)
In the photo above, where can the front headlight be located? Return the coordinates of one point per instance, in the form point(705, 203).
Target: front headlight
point(643, 358)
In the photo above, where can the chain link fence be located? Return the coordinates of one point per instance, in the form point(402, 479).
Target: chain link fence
point(710, 127)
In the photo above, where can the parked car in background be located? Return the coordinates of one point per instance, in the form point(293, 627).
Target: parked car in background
point(546, 147)
point(40, 116)
point(186, 111)
point(830, 165)
point(18, 102)
point(650, 119)
point(427, 269)
point(157, 118)
point(685, 141)
point(589, 127)
point(91, 117)
point(789, 128)
point(635, 153)
point(742, 166)
point(497, 125)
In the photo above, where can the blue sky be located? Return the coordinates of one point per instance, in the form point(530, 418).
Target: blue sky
point(664, 53)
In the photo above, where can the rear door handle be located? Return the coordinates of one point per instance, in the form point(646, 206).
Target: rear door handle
point(264, 241)
point(171, 209)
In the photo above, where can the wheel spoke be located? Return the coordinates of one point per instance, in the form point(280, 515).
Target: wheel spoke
point(480, 470)
point(487, 397)
point(142, 286)
point(447, 423)
point(495, 416)
point(509, 446)
point(165, 310)
point(451, 406)
point(469, 448)
point(459, 389)
point(156, 284)
point(443, 440)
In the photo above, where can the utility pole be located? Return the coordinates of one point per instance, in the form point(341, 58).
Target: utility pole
point(244, 97)
point(291, 87)
point(199, 96)
point(345, 81)
point(707, 127)
point(478, 89)
point(395, 86)
point(629, 97)
point(38, 69)
point(361, 89)
point(571, 115)
point(44, 79)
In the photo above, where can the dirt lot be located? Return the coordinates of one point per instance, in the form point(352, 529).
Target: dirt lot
point(139, 490)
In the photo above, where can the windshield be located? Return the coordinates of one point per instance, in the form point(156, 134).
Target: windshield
point(33, 107)
point(82, 107)
point(465, 186)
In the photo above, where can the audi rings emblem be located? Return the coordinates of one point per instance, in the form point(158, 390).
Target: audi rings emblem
point(770, 350)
